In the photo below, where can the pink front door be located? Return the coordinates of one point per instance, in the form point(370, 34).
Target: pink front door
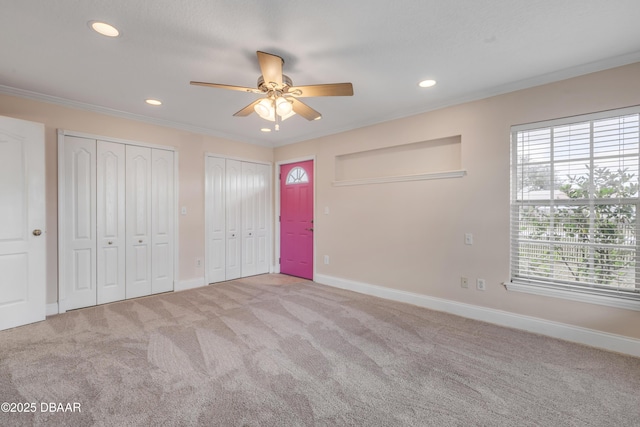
point(296, 219)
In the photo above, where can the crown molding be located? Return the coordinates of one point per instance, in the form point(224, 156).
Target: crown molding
point(49, 99)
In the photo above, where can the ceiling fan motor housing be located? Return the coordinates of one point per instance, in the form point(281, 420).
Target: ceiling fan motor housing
point(265, 87)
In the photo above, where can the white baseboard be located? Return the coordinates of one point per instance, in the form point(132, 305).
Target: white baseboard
point(52, 309)
point(190, 284)
point(590, 337)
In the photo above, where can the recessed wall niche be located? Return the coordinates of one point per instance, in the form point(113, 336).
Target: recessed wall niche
point(436, 158)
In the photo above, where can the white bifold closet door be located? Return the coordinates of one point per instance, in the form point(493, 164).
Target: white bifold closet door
point(138, 221)
point(110, 199)
point(79, 250)
point(255, 214)
point(149, 221)
point(237, 207)
point(233, 201)
point(162, 220)
point(118, 221)
point(216, 219)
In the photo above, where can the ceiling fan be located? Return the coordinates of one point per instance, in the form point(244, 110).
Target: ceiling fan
point(281, 96)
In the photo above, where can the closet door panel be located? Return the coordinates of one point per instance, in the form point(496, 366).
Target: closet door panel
point(138, 221)
point(249, 217)
point(233, 202)
point(110, 195)
point(80, 223)
point(162, 217)
point(263, 215)
point(216, 220)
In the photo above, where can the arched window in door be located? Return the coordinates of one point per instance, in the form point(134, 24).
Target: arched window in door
point(297, 175)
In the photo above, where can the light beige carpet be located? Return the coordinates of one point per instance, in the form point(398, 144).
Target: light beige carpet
point(279, 351)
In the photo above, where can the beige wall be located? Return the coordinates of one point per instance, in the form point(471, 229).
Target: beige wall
point(407, 236)
point(410, 235)
point(190, 146)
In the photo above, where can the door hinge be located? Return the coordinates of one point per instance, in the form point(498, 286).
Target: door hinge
point(280, 218)
point(279, 260)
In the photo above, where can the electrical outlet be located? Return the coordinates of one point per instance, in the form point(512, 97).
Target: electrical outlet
point(198, 262)
point(468, 239)
point(481, 285)
point(464, 282)
point(326, 259)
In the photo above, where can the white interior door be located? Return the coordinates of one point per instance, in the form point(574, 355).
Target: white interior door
point(138, 221)
point(22, 215)
point(79, 249)
point(162, 217)
point(233, 202)
point(110, 195)
point(249, 217)
point(215, 219)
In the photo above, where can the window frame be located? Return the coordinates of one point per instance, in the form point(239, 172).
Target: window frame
point(554, 287)
point(302, 179)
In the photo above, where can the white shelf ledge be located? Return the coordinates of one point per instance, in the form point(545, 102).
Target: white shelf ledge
point(401, 178)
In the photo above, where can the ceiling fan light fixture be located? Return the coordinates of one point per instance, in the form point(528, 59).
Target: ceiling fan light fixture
point(264, 109)
point(283, 107)
point(154, 102)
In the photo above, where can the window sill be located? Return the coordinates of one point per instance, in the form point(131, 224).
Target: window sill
point(625, 303)
point(402, 178)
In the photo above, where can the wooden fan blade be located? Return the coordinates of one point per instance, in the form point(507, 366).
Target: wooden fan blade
point(238, 88)
point(248, 109)
point(333, 89)
point(304, 110)
point(271, 67)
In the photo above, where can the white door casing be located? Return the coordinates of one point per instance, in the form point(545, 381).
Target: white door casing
point(110, 196)
point(22, 212)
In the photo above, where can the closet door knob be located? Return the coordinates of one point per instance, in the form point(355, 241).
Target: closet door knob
point(140, 241)
point(37, 232)
point(109, 242)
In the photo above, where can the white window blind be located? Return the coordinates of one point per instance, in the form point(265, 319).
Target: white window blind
point(574, 204)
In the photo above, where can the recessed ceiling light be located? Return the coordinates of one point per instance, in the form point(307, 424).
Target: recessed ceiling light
point(153, 102)
point(104, 29)
point(427, 83)
point(265, 130)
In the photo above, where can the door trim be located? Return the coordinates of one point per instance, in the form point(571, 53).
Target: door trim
point(276, 178)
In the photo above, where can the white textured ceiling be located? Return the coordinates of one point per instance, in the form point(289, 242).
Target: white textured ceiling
point(473, 48)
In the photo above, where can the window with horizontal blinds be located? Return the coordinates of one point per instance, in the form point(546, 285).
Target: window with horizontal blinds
point(574, 204)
